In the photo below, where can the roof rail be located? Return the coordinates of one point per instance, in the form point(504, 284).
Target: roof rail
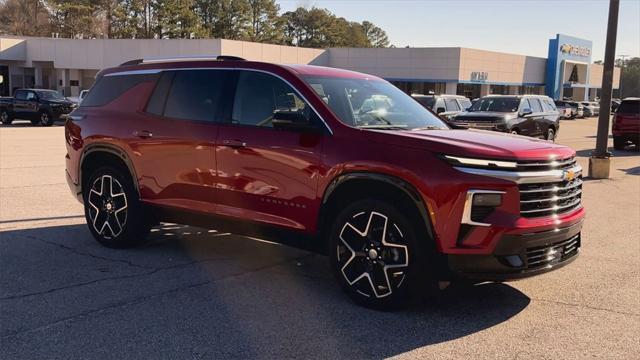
point(131, 62)
point(190, 58)
point(229, 57)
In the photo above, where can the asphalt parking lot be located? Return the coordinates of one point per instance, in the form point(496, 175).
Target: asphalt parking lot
point(196, 293)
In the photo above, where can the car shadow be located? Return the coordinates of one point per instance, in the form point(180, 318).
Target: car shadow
point(245, 294)
point(629, 151)
point(27, 123)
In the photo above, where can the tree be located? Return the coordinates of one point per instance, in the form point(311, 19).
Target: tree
point(265, 24)
point(24, 17)
point(630, 78)
point(376, 36)
point(223, 19)
point(175, 19)
point(74, 19)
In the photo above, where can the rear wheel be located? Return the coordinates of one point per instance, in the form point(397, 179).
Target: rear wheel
point(45, 118)
point(619, 142)
point(375, 255)
point(113, 211)
point(5, 117)
point(514, 131)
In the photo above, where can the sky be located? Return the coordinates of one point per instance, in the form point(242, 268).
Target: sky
point(512, 26)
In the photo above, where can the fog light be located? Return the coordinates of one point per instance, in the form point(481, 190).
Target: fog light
point(492, 200)
point(514, 260)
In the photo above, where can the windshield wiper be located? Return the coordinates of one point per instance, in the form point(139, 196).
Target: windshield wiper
point(430, 127)
point(384, 127)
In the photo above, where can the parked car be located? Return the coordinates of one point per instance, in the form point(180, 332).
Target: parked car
point(446, 106)
point(397, 199)
point(591, 108)
point(40, 106)
point(578, 109)
point(566, 110)
point(614, 104)
point(530, 115)
point(626, 124)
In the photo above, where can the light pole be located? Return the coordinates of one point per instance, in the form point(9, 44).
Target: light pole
point(600, 162)
point(622, 59)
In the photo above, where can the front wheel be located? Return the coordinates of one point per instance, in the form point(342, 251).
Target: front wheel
point(45, 118)
point(113, 211)
point(5, 117)
point(375, 255)
point(551, 134)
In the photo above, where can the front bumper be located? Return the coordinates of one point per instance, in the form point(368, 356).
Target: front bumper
point(520, 256)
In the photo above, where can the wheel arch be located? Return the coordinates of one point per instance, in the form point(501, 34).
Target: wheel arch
point(354, 185)
point(97, 155)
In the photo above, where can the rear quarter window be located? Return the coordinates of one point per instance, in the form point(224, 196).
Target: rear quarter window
point(629, 107)
point(108, 88)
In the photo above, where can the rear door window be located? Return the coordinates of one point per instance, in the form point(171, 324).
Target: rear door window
point(451, 104)
point(464, 103)
point(196, 95)
point(548, 105)
point(159, 96)
point(535, 105)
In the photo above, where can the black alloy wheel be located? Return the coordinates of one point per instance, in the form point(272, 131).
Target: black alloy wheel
point(374, 254)
point(45, 118)
point(113, 211)
point(5, 117)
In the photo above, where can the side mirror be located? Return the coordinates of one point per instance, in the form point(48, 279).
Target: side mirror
point(526, 111)
point(440, 110)
point(290, 120)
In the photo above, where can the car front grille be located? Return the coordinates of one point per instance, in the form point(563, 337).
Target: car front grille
point(541, 256)
point(550, 198)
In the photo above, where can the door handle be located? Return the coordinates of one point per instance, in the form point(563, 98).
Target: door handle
point(234, 143)
point(143, 134)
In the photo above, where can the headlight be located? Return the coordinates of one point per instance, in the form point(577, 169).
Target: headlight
point(481, 163)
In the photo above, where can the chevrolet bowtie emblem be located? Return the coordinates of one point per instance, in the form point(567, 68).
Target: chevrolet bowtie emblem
point(569, 175)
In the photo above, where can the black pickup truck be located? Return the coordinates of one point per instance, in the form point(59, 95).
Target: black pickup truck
point(40, 106)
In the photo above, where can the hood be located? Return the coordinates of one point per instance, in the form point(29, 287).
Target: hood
point(480, 144)
point(58, 101)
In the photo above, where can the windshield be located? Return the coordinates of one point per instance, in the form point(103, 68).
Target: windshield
point(498, 104)
point(373, 104)
point(49, 95)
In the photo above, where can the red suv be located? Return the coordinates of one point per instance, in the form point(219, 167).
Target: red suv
point(626, 124)
point(320, 156)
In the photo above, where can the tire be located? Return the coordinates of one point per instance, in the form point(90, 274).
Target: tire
point(619, 142)
point(5, 117)
point(362, 254)
point(45, 118)
point(551, 134)
point(514, 132)
point(116, 218)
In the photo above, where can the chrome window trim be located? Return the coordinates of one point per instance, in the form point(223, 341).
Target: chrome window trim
point(135, 72)
point(524, 177)
point(468, 205)
point(155, 71)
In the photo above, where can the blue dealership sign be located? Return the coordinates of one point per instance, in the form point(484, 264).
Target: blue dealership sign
point(565, 48)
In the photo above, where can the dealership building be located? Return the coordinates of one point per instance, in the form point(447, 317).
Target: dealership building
point(70, 65)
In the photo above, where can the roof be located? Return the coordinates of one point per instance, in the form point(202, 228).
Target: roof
point(440, 95)
point(314, 70)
